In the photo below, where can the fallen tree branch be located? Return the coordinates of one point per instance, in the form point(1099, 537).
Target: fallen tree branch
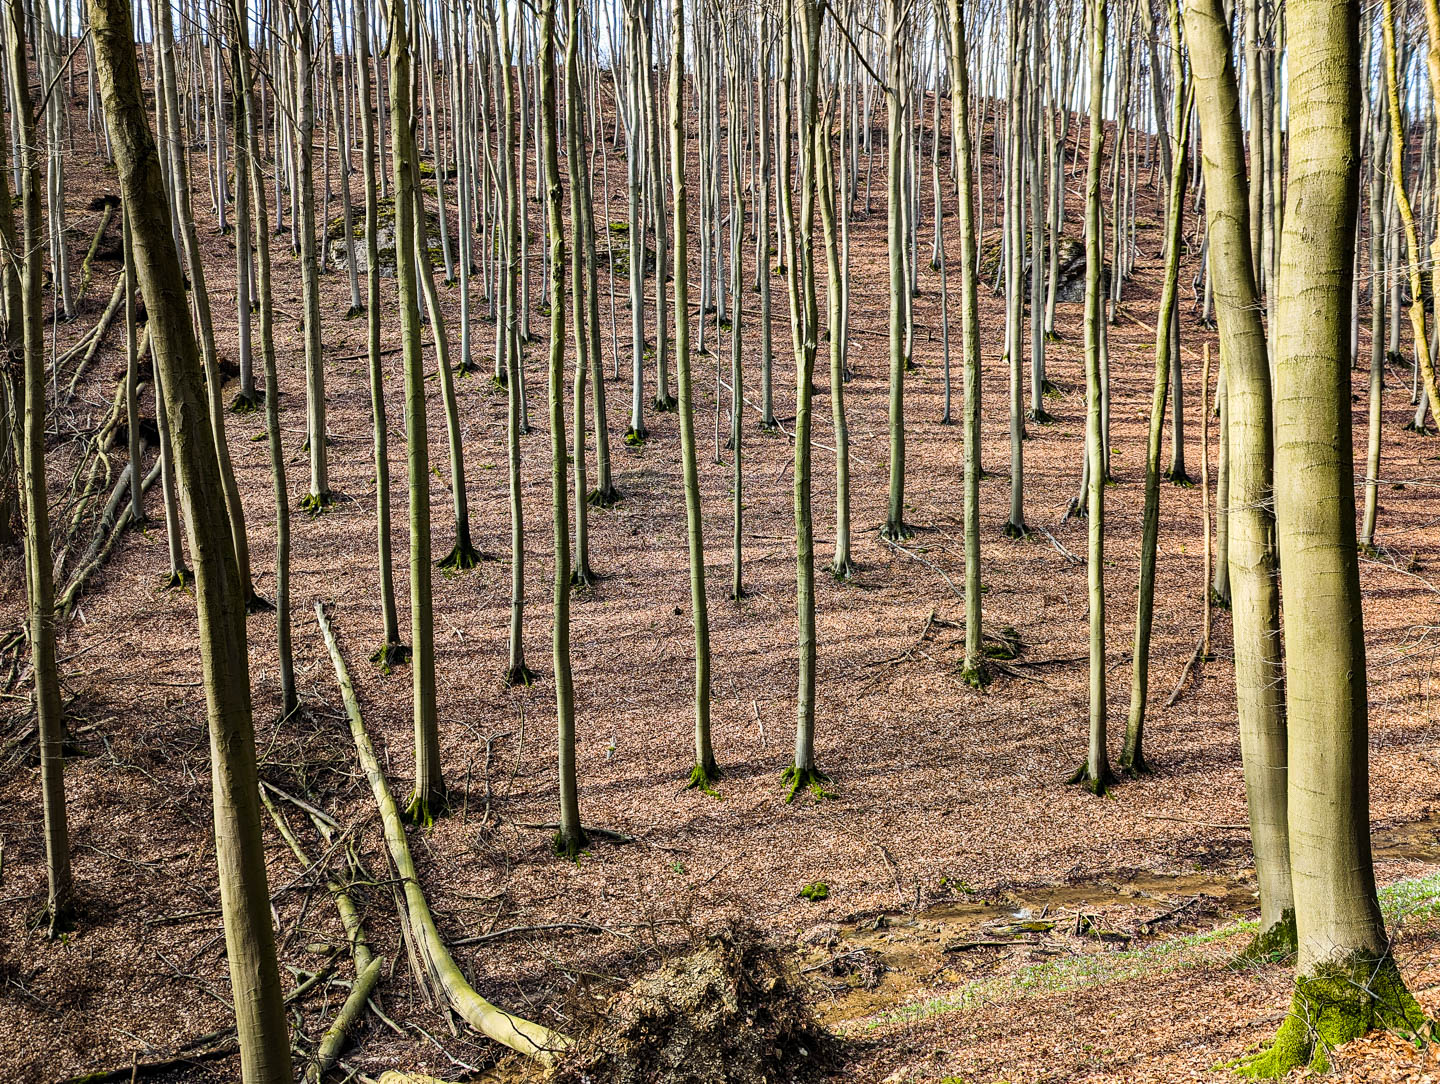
point(496, 935)
point(137, 1069)
point(1185, 673)
point(523, 1036)
point(334, 1039)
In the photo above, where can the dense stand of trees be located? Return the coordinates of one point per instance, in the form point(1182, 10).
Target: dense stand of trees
point(795, 108)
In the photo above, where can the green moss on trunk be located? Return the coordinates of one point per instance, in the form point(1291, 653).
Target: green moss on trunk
point(1337, 1003)
point(1274, 945)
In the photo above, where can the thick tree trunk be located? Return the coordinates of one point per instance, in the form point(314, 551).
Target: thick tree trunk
point(1346, 981)
point(1246, 414)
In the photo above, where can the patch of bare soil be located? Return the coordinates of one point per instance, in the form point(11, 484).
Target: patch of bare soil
point(731, 1011)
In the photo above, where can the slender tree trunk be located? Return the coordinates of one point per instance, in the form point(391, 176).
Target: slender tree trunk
point(570, 839)
point(429, 796)
point(1095, 773)
point(895, 528)
point(392, 651)
point(244, 893)
point(705, 771)
point(1132, 756)
point(39, 562)
point(248, 172)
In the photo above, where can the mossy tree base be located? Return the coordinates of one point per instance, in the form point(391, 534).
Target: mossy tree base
point(1132, 763)
point(1097, 783)
point(1339, 1002)
point(462, 557)
point(811, 779)
point(423, 810)
point(582, 576)
point(1418, 430)
point(704, 776)
point(1180, 478)
point(608, 497)
point(1018, 531)
point(466, 367)
point(842, 569)
point(247, 402)
point(975, 673)
point(353, 311)
point(897, 531)
point(636, 438)
point(666, 404)
point(1039, 416)
point(569, 845)
point(519, 674)
point(1274, 945)
point(317, 504)
point(178, 580)
point(390, 654)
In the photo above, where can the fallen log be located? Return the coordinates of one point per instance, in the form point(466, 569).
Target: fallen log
point(523, 1036)
point(334, 1039)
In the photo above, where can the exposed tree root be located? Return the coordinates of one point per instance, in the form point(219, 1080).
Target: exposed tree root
point(975, 673)
point(247, 402)
point(703, 778)
point(1133, 764)
point(665, 404)
point(421, 810)
point(519, 675)
point(603, 498)
point(1341, 1001)
point(582, 576)
point(258, 604)
point(1039, 416)
point(1097, 785)
point(317, 504)
point(178, 580)
point(1017, 531)
point(811, 779)
point(842, 571)
point(390, 655)
point(568, 845)
point(1180, 478)
point(462, 557)
point(897, 532)
point(636, 438)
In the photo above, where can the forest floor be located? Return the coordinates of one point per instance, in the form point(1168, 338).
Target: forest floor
point(949, 814)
